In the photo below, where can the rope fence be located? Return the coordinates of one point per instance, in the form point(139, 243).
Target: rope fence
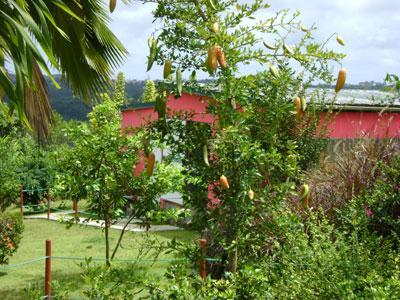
point(140, 261)
point(49, 257)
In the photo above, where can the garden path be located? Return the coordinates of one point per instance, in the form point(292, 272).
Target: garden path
point(65, 215)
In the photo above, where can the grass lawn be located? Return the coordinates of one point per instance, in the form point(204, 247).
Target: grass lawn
point(78, 241)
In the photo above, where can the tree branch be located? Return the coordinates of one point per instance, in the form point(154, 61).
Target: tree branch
point(202, 14)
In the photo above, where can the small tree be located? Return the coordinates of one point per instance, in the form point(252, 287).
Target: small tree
point(99, 168)
point(150, 92)
point(99, 165)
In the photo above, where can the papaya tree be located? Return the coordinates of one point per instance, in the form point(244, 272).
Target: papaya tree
point(246, 162)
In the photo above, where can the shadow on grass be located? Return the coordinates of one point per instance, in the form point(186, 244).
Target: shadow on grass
point(70, 281)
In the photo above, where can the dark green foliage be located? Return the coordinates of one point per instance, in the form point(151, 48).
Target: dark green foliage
point(315, 262)
point(10, 162)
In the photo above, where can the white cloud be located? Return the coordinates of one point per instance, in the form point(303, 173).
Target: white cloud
point(369, 27)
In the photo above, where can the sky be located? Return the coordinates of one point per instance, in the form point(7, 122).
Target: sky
point(370, 29)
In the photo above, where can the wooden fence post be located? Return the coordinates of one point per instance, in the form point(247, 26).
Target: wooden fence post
point(202, 266)
point(47, 277)
point(75, 207)
point(21, 200)
point(48, 203)
point(162, 203)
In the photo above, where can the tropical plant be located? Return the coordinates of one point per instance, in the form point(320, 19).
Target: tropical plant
point(258, 142)
point(74, 39)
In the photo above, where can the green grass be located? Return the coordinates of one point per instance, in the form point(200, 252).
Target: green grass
point(78, 241)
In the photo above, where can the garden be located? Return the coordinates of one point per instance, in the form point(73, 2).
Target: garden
point(267, 212)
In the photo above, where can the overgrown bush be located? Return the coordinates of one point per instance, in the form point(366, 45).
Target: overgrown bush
point(378, 209)
point(319, 262)
point(353, 172)
point(116, 282)
point(11, 228)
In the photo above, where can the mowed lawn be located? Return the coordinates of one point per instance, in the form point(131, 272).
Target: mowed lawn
point(78, 241)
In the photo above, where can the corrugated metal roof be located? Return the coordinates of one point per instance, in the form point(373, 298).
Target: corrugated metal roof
point(364, 98)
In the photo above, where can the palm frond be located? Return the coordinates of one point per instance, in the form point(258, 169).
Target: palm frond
point(37, 105)
point(76, 40)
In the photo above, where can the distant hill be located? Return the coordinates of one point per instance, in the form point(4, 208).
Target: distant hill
point(66, 105)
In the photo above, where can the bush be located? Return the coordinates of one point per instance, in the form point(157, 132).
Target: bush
point(352, 173)
point(383, 203)
point(378, 210)
point(11, 228)
point(317, 262)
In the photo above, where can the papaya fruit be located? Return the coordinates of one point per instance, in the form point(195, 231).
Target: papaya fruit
point(341, 80)
point(214, 27)
point(151, 161)
point(250, 194)
point(223, 181)
point(167, 68)
point(340, 40)
point(212, 60)
point(113, 4)
point(205, 155)
point(221, 57)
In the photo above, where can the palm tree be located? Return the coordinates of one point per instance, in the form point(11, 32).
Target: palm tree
point(70, 36)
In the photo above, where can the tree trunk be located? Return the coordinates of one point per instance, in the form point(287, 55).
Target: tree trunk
point(122, 235)
point(106, 227)
point(233, 257)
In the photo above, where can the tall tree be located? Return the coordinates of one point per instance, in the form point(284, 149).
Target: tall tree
point(70, 36)
point(252, 154)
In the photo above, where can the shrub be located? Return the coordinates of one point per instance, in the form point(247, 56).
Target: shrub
point(378, 210)
point(352, 173)
point(320, 262)
point(11, 228)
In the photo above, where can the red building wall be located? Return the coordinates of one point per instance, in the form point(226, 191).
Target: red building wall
point(345, 124)
point(356, 124)
point(187, 103)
